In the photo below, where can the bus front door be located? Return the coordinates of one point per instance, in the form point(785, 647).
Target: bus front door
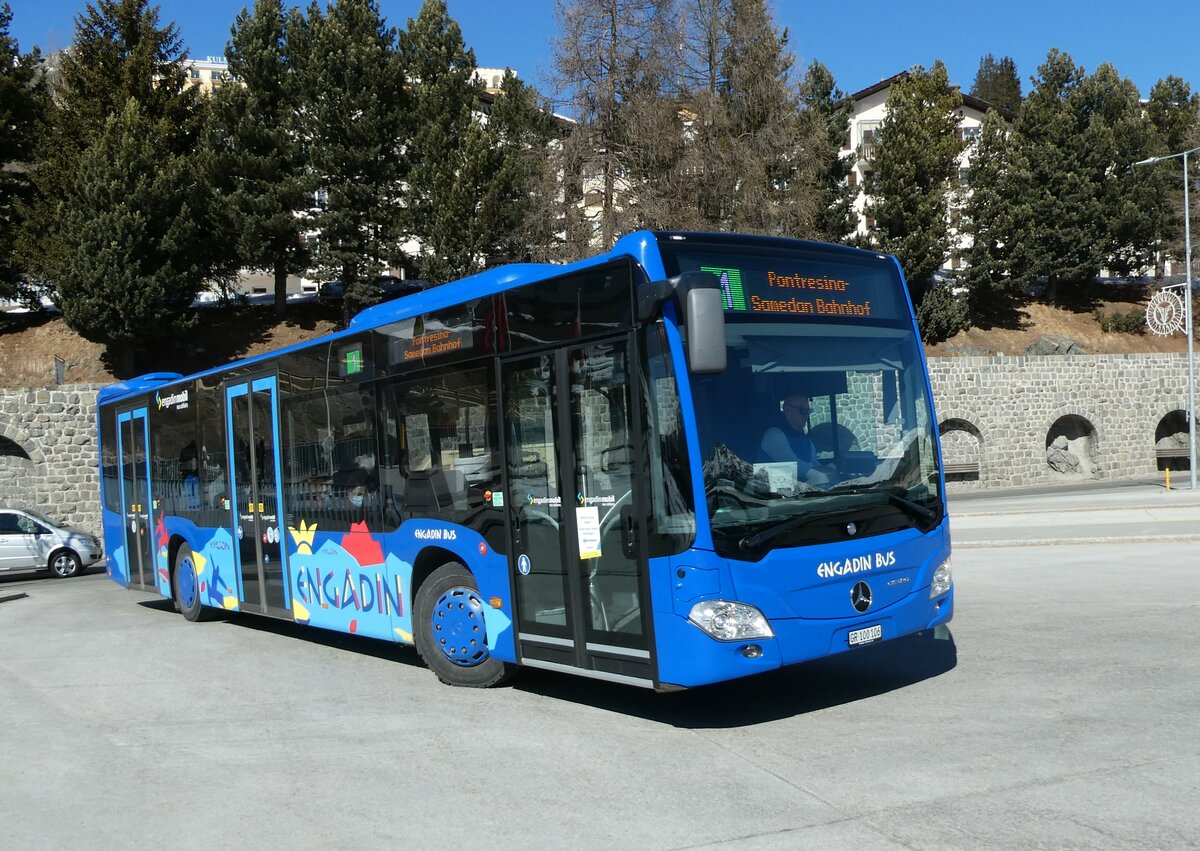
point(133, 438)
point(579, 568)
point(253, 428)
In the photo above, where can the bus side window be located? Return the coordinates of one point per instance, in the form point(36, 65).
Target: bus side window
point(674, 521)
point(440, 455)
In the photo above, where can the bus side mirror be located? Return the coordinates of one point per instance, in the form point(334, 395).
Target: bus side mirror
point(698, 297)
point(705, 330)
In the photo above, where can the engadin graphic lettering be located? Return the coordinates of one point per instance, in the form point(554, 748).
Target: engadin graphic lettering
point(855, 564)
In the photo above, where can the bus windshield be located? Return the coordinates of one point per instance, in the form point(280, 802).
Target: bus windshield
point(815, 432)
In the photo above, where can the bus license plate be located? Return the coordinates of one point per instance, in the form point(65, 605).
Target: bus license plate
point(866, 635)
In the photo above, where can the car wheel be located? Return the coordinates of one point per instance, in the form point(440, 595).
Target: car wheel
point(65, 563)
point(186, 585)
point(450, 632)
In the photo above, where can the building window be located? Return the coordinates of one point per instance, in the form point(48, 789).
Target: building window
point(971, 135)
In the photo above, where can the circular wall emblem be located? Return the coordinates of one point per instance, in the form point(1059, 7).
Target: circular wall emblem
point(1164, 313)
point(860, 596)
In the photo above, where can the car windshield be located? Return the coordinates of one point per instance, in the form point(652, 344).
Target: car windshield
point(43, 519)
point(814, 427)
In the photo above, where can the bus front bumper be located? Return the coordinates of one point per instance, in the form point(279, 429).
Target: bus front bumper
point(689, 657)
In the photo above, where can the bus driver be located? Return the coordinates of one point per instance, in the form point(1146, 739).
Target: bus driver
point(788, 440)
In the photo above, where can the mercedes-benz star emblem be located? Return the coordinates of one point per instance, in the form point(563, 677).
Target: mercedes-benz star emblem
point(860, 596)
point(851, 529)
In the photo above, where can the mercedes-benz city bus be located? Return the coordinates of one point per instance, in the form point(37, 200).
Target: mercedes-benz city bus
point(693, 458)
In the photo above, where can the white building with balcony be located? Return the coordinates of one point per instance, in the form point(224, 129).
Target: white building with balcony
point(869, 112)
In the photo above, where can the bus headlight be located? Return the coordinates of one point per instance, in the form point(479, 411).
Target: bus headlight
point(728, 621)
point(943, 580)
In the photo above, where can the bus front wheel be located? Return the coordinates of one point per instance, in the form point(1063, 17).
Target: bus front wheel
point(450, 631)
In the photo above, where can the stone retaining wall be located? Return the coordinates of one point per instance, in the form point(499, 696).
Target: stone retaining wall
point(1101, 410)
point(1017, 420)
point(48, 459)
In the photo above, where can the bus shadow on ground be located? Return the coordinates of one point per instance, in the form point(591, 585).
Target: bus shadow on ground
point(360, 644)
point(796, 690)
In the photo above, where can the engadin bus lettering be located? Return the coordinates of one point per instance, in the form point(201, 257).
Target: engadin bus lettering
point(855, 564)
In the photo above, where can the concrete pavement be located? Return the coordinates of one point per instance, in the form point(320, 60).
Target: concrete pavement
point(1108, 512)
point(1056, 712)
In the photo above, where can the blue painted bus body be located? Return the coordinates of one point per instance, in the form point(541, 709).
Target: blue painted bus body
point(360, 581)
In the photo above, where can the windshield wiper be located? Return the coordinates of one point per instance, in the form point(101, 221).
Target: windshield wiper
point(913, 509)
point(751, 542)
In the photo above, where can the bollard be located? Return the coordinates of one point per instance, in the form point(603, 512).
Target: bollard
point(1168, 472)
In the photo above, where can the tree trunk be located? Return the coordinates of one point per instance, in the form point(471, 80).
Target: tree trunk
point(280, 286)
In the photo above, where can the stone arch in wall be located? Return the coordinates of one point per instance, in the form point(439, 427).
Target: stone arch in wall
point(1171, 441)
point(962, 450)
point(1071, 444)
point(20, 461)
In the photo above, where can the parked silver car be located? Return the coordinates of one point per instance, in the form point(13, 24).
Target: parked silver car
point(29, 541)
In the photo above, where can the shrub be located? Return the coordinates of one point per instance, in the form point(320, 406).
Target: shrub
point(942, 314)
point(1132, 321)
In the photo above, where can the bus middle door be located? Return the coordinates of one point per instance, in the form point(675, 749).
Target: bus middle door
point(579, 565)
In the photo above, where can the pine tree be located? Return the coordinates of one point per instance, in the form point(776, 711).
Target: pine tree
point(988, 217)
point(258, 162)
point(1174, 111)
point(354, 104)
point(512, 220)
point(997, 82)
point(772, 156)
point(23, 103)
point(448, 151)
point(915, 159)
point(1074, 143)
point(736, 150)
point(1118, 135)
point(120, 52)
point(133, 246)
point(613, 60)
point(698, 197)
point(826, 120)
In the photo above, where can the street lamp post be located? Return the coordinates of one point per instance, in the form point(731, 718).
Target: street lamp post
point(1187, 303)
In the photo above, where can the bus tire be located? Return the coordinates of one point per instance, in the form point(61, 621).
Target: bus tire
point(450, 632)
point(186, 585)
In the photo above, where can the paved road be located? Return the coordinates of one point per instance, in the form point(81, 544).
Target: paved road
point(1104, 513)
point(1058, 712)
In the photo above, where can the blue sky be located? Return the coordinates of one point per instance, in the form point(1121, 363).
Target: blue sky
point(861, 42)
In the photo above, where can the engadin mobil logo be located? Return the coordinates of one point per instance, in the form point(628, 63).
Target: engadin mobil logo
point(179, 399)
point(732, 295)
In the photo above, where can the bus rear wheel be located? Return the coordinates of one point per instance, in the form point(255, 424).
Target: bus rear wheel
point(187, 585)
point(450, 631)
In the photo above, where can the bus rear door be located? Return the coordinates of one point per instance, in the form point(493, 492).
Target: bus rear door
point(253, 428)
point(579, 567)
point(133, 440)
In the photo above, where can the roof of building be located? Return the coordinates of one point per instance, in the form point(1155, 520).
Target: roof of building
point(968, 100)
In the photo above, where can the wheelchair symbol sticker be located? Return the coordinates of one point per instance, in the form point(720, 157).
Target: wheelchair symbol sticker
point(523, 564)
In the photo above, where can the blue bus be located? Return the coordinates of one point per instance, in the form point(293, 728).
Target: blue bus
point(693, 458)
